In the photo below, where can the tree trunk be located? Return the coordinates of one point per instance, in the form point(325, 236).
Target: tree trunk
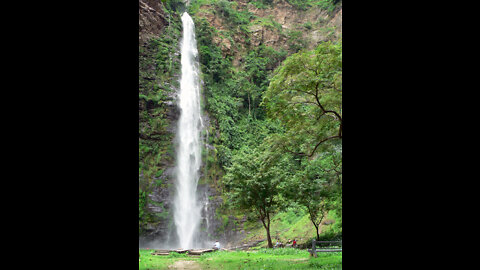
point(312, 219)
point(269, 239)
point(318, 236)
point(267, 229)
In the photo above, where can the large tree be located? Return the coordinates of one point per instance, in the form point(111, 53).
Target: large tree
point(305, 94)
point(317, 186)
point(254, 183)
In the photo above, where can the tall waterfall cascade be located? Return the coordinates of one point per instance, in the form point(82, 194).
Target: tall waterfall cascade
point(187, 209)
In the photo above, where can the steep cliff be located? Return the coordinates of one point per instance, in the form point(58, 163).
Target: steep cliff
point(279, 25)
point(151, 19)
point(159, 62)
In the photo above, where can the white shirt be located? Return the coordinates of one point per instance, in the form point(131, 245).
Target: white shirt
point(217, 245)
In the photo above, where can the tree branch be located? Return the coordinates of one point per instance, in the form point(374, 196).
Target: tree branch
point(322, 141)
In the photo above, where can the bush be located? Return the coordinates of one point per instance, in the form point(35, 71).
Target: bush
point(328, 5)
point(231, 15)
point(308, 25)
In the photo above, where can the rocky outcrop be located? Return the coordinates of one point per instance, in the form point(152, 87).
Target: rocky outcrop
point(272, 27)
point(160, 205)
point(213, 226)
point(151, 19)
point(315, 24)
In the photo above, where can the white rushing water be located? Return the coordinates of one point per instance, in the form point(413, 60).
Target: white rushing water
point(187, 211)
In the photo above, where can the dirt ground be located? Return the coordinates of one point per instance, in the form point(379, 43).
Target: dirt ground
point(189, 265)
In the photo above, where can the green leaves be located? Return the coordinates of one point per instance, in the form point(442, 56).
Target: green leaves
point(306, 96)
point(277, 134)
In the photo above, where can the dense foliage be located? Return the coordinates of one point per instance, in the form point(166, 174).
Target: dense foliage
point(254, 183)
point(279, 133)
point(306, 95)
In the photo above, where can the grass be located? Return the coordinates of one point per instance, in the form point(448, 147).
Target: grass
point(154, 262)
point(293, 223)
point(288, 225)
point(283, 258)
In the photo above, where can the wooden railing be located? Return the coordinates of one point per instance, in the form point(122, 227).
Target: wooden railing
point(314, 249)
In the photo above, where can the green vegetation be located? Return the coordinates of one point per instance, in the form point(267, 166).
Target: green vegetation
point(274, 144)
point(328, 5)
point(300, 159)
point(291, 223)
point(158, 66)
point(233, 16)
point(173, 5)
point(305, 94)
point(283, 258)
point(253, 187)
point(286, 225)
point(263, 4)
point(308, 25)
point(196, 4)
point(141, 206)
point(236, 19)
point(149, 261)
point(295, 40)
point(268, 22)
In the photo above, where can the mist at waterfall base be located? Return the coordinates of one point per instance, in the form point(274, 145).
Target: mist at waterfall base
point(187, 209)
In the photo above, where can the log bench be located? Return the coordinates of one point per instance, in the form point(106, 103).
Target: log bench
point(313, 251)
point(166, 252)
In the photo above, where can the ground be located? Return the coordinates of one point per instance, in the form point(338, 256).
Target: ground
point(188, 265)
point(282, 258)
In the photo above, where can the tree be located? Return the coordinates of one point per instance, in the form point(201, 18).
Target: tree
point(253, 184)
point(318, 186)
point(318, 205)
point(306, 95)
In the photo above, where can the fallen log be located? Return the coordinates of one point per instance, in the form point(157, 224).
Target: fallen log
point(162, 250)
point(199, 252)
point(326, 250)
point(161, 253)
point(190, 251)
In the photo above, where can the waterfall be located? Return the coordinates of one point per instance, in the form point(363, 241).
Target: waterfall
point(187, 211)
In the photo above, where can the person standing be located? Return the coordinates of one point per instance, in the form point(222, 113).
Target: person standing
point(217, 245)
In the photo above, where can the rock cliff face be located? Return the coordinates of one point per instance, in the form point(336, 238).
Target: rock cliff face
point(159, 58)
point(274, 26)
point(159, 61)
point(151, 19)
